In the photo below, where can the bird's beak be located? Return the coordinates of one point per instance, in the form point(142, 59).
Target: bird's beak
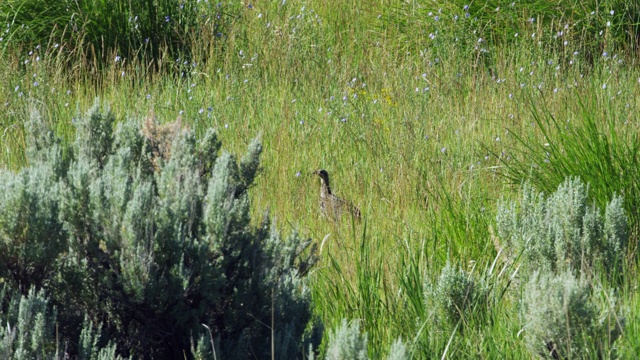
point(315, 172)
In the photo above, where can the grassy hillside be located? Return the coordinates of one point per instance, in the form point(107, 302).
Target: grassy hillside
point(425, 114)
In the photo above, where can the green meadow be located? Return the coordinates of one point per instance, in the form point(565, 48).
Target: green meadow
point(429, 116)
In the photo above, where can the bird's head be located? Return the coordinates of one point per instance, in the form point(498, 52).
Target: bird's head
point(324, 175)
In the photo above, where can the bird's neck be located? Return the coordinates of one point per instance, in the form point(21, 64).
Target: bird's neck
point(325, 189)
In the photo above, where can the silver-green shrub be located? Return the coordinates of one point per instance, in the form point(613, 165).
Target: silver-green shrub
point(563, 230)
point(455, 295)
point(89, 348)
point(347, 342)
point(398, 351)
point(563, 319)
point(31, 234)
point(28, 331)
point(143, 234)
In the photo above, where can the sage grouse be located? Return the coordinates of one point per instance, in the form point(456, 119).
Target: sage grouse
point(332, 206)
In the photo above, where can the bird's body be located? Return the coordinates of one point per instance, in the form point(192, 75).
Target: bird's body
point(332, 206)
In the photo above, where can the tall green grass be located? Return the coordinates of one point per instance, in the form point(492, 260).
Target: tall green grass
point(93, 30)
point(590, 27)
point(597, 143)
point(416, 131)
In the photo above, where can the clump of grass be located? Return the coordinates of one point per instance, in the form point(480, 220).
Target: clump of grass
point(602, 152)
point(98, 28)
point(477, 28)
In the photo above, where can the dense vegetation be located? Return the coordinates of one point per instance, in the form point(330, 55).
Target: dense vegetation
point(492, 148)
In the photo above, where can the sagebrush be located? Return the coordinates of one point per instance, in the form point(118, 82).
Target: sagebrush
point(148, 251)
